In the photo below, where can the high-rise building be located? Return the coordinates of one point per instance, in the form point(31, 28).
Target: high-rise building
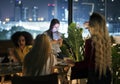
point(18, 10)
point(35, 13)
point(51, 11)
point(62, 10)
point(58, 9)
point(25, 14)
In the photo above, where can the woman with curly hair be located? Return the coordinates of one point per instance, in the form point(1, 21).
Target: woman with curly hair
point(100, 44)
point(96, 65)
point(22, 41)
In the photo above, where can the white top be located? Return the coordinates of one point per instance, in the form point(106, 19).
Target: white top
point(55, 47)
point(48, 67)
point(51, 62)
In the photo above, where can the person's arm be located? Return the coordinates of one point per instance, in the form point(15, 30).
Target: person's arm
point(12, 55)
point(54, 41)
point(60, 41)
point(16, 56)
point(84, 64)
point(88, 50)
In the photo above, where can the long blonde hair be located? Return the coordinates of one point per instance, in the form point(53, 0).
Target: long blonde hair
point(102, 42)
point(37, 57)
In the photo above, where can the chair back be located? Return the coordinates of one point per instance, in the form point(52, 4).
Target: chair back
point(46, 79)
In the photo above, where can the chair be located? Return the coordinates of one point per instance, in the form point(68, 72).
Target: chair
point(46, 79)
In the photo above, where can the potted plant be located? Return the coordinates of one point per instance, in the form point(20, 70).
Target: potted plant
point(73, 46)
point(116, 63)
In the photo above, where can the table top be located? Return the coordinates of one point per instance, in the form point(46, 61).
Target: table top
point(10, 68)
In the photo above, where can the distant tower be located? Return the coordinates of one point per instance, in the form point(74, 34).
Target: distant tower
point(59, 9)
point(62, 10)
point(51, 11)
point(18, 10)
point(35, 13)
point(25, 14)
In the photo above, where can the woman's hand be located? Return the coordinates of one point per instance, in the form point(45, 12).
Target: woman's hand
point(60, 41)
point(69, 61)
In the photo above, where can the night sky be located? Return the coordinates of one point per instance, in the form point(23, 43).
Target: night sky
point(7, 7)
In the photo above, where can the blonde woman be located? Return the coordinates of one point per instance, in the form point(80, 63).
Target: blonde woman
point(97, 63)
point(101, 49)
point(40, 60)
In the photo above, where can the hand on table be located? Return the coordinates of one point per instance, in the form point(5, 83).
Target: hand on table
point(69, 61)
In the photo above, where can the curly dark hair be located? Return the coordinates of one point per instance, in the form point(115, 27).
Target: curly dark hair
point(27, 35)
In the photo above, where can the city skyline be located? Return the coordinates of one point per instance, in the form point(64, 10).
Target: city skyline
point(59, 9)
point(7, 7)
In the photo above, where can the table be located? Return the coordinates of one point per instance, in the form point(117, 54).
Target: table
point(62, 70)
point(9, 69)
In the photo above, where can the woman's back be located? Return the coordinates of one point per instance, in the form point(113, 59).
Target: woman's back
point(40, 60)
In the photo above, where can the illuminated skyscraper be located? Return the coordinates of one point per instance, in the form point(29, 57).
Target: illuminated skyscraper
point(18, 10)
point(62, 10)
point(25, 14)
point(35, 13)
point(51, 11)
point(59, 9)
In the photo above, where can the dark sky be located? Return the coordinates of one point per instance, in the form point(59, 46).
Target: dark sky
point(7, 7)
